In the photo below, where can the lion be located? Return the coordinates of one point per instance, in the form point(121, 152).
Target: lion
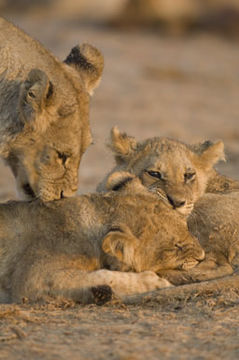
point(44, 111)
point(181, 173)
point(214, 219)
point(74, 247)
point(215, 222)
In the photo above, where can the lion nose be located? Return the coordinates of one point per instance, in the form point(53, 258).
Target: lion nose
point(67, 193)
point(176, 203)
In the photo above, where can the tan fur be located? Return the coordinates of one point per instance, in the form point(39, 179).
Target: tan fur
point(55, 249)
point(186, 171)
point(44, 105)
point(215, 222)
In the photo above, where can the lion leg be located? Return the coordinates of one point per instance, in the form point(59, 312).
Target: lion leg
point(207, 271)
point(85, 287)
point(129, 283)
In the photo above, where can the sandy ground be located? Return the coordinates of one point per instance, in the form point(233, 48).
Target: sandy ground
point(185, 88)
point(203, 325)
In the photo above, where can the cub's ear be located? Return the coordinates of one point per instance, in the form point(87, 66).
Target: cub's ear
point(122, 145)
point(89, 62)
point(113, 244)
point(118, 180)
point(211, 153)
point(36, 93)
point(199, 148)
point(121, 244)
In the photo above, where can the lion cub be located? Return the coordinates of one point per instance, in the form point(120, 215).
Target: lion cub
point(181, 173)
point(63, 248)
point(215, 222)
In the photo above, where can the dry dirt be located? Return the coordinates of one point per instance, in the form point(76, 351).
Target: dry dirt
point(185, 88)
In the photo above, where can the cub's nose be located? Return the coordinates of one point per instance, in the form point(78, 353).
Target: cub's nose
point(176, 203)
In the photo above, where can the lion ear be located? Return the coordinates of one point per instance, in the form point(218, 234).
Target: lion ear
point(121, 244)
point(113, 244)
point(36, 93)
point(122, 145)
point(211, 153)
point(89, 62)
point(119, 179)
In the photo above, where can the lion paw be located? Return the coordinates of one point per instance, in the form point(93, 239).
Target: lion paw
point(102, 294)
point(151, 281)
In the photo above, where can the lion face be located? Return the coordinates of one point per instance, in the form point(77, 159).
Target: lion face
point(53, 132)
point(170, 249)
point(169, 245)
point(46, 164)
point(174, 170)
point(157, 239)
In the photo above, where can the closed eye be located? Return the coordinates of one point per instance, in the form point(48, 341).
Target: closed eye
point(189, 176)
point(179, 247)
point(62, 156)
point(155, 174)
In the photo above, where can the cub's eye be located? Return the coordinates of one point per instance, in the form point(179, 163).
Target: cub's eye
point(62, 156)
point(155, 174)
point(189, 176)
point(179, 247)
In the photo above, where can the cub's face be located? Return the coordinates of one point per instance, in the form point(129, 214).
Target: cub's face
point(172, 247)
point(172, 169)
point(162, 243)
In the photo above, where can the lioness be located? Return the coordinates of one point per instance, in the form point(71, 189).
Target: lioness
point(183, 172)
point(44, 105)
point(63, 248)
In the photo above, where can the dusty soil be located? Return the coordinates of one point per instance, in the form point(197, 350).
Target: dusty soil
point(198, 323)
point(185, 88)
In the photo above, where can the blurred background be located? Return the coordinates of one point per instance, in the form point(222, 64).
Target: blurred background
point(171, 69)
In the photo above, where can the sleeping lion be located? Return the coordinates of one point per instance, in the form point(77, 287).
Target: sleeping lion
point(71, 247)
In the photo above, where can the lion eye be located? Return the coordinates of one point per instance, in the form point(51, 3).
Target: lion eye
point(62, 156)
point(189, 176)
point(31, 94)
point(155, 174)
point(179, 247)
